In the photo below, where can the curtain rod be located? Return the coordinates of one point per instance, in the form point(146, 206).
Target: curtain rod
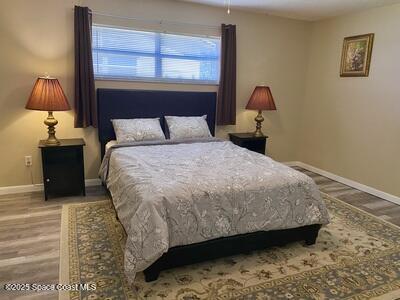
point(155, 21)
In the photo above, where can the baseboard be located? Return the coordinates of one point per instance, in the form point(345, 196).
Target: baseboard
point(292, 163)
point(37, 187)
point(92, 182)
point(349, 182)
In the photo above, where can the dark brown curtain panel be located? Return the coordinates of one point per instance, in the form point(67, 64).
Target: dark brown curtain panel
point(85, 98)
point(226, 103)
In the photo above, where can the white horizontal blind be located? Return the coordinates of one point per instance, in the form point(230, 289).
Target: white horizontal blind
point(152, 56)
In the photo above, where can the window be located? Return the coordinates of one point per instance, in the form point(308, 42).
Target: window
point(153, 56)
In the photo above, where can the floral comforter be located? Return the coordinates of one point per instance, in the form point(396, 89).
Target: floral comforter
point(176, 193)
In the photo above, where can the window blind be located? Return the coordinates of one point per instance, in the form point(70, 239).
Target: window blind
point(153, 56)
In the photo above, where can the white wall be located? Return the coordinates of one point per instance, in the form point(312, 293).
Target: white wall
point(351, 126)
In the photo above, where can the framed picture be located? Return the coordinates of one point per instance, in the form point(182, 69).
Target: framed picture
point(356, 55)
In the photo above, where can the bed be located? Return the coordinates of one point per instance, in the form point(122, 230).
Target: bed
point(183, 202)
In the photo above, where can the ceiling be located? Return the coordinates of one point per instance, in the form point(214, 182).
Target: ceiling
point(310, 10)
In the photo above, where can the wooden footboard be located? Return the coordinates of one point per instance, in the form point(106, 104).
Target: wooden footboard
point(227, 246)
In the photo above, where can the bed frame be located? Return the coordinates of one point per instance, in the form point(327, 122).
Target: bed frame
point(124, 104)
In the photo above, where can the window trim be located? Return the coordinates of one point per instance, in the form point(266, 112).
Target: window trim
point(157, 80)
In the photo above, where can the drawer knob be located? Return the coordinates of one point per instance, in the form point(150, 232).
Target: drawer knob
point(47, 180)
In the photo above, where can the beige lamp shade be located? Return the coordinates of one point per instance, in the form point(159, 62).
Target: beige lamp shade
point(261, 99)
point(47, 95)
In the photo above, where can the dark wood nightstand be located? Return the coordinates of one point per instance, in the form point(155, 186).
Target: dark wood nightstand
point(63, 168)
point(249, 141)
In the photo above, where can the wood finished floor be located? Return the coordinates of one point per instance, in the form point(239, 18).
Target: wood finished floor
point(30, 231)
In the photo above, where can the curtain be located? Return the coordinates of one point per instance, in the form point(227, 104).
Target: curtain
point(226, 103)
point(85, 98)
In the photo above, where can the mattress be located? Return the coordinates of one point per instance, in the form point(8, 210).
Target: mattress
point(174, 193)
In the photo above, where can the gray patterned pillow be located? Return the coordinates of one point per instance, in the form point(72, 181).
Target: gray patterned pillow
point(134, 130)
point(187, 127)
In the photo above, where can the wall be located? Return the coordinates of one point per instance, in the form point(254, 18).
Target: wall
point(37, 37)
point(351, 126)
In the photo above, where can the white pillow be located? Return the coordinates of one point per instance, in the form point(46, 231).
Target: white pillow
point(187, 127)
point(134, 130)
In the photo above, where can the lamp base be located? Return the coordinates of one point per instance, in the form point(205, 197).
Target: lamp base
point(259, 119)
point(51, 123)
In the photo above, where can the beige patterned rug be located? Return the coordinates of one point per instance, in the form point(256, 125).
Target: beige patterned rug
point(357, 256)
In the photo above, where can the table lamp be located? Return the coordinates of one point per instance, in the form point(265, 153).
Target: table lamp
point(260, 100)
point(47, 95)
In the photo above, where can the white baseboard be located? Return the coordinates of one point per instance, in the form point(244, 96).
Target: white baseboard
point(92, 182)
point(292, 163)
point(37, 187)
point(349, 182)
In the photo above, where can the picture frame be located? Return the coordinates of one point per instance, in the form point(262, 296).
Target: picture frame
point(356, 55)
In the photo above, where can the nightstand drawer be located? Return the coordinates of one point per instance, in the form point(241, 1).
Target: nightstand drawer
point(63, 169)
point(249, 141)
point(256, 146)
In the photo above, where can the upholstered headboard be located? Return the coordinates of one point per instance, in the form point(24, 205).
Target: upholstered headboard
point(129, 104)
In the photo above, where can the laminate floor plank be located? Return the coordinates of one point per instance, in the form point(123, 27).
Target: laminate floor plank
point(44, 271)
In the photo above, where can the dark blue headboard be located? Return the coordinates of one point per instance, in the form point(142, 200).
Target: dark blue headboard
point(129, 104)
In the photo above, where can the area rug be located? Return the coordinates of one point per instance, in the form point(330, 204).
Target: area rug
point(357, 256)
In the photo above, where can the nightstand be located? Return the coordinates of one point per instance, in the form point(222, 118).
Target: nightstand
point(249, 141)
point(63, 168)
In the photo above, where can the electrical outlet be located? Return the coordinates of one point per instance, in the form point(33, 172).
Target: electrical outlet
point(28, 161)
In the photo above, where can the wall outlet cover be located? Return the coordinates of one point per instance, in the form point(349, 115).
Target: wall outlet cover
point(28, 161)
